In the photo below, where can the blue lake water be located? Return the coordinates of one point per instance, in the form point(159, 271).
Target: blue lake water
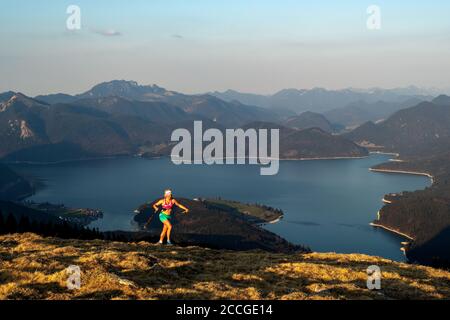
point(328, 204)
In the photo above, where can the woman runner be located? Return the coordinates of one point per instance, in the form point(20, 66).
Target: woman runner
point(167, 205)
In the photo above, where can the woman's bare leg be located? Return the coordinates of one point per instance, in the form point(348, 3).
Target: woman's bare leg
point(163, 233)
point(168, 225)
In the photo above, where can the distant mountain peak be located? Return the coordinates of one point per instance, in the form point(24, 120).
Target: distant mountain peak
point(118, 82)
point(126, 89)
point(309, 119)
point(126, 84)
point(5, 96)
point(114, 85)
point(19, 98)
point(290, 91)
point(442, 100)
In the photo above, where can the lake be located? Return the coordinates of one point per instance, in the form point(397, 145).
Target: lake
point(328, 204)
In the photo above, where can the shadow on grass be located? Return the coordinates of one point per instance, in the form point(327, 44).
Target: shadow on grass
point(37, 291)
point(101, 295)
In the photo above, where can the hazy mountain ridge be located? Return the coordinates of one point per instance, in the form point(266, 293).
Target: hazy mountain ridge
point(322, 100)
point(307, 120)
point(419, 130)
point(231, 114)
point(104, 122)
point(362, 105)
point(357, 113)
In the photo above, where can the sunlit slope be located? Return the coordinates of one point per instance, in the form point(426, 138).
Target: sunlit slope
point(32, 267)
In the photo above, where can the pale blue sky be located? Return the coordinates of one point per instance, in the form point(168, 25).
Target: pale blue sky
point(202, 45)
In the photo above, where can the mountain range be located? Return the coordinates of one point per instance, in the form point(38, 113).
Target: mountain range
point(137, 97)
point(362, 105)
point(347, 107)
point(124, 118)
point(359, 112)
point(311, 143)
point(416, 131)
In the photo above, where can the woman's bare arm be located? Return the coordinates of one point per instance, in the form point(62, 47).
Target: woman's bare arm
point(186, 210)
point(157, 204)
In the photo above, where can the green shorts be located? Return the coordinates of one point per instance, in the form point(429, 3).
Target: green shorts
point(163, 217)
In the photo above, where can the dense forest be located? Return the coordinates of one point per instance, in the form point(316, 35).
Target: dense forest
point(424, 214)
point(10, 224)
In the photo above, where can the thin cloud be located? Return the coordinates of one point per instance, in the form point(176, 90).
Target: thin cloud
point(107, 32)
point(177, 36)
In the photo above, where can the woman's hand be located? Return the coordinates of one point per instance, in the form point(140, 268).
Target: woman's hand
point(179, 205)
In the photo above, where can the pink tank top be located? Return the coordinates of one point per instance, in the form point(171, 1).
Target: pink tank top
point(167, 206)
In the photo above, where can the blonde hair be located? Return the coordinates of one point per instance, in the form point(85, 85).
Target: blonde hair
point(167, 192)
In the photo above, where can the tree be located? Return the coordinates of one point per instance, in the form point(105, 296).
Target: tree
point(11, 224)
point(24, 224)
point(2, 224)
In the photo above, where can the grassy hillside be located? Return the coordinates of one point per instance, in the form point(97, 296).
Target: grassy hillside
point(32, 267)
point(257, 213)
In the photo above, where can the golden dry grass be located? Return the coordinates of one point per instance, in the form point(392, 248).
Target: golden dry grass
point(32, 267)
